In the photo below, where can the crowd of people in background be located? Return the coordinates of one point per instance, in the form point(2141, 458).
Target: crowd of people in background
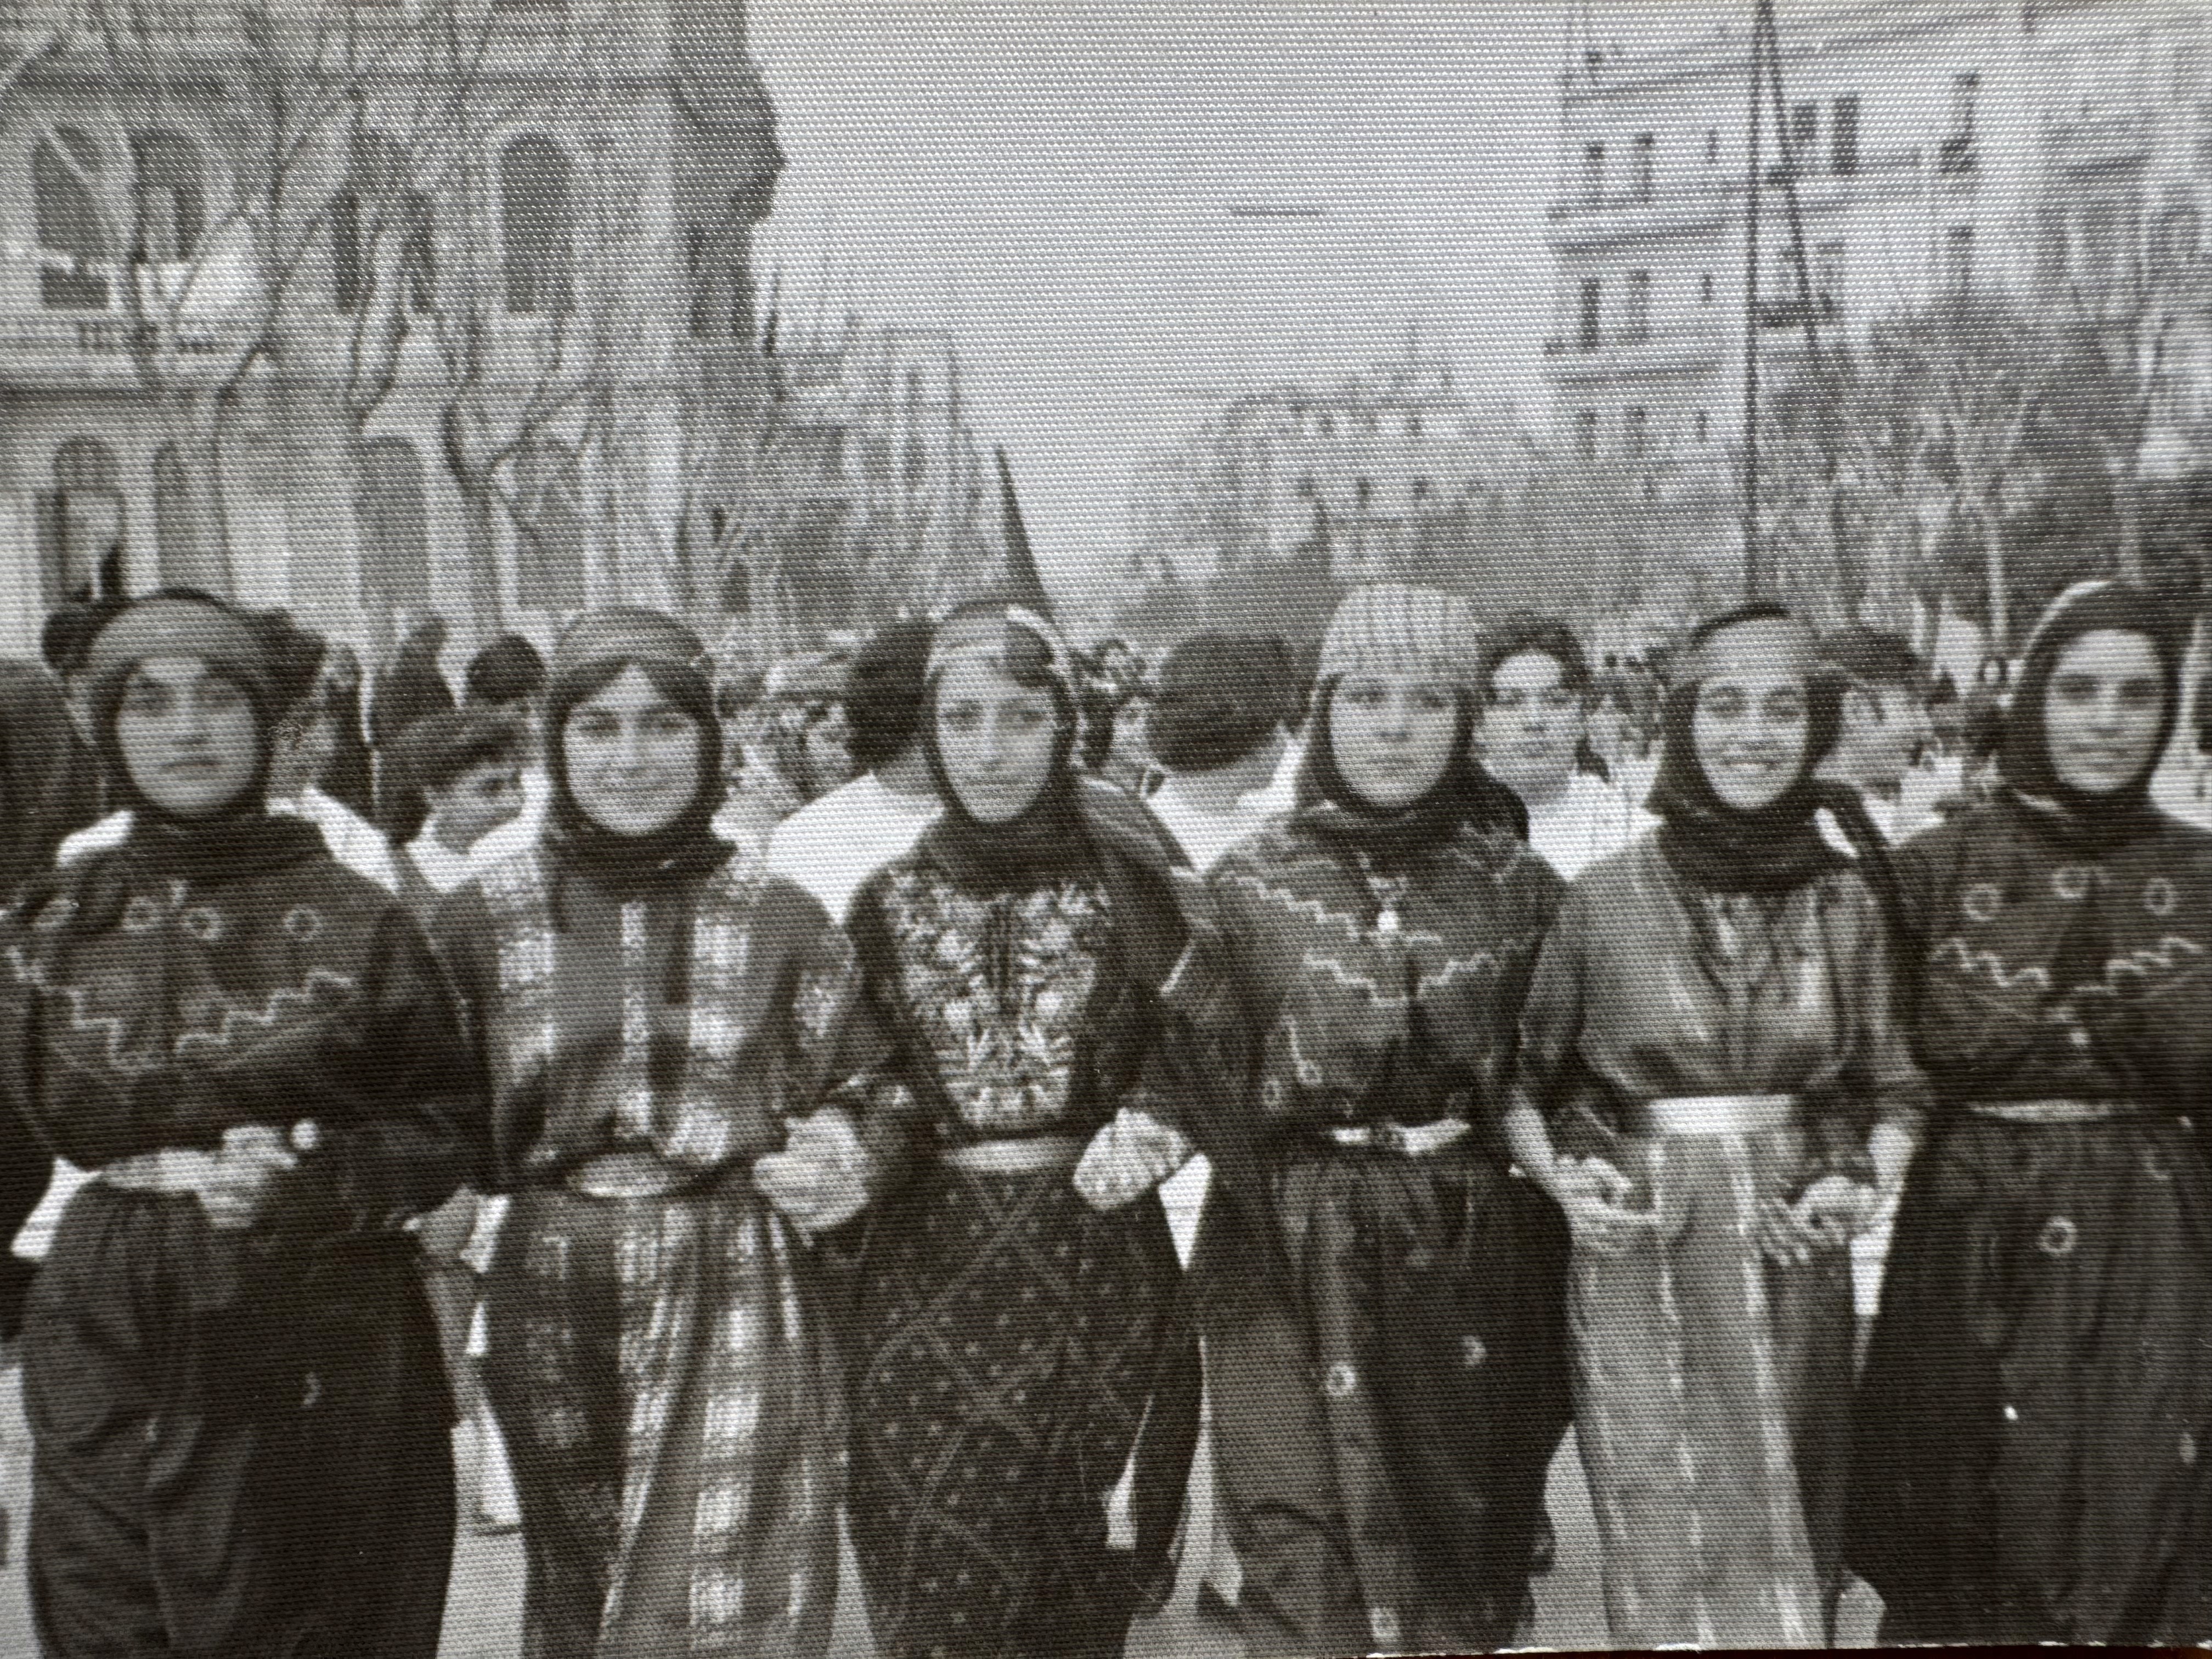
point(1097, 1132)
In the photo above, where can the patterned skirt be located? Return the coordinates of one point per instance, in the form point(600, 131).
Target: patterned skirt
point(1008, 1341)
point(671, 1410)
point(1712, 1389)
point(2033, 1460)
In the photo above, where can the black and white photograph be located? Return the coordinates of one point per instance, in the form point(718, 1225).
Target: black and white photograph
point(1104, 829)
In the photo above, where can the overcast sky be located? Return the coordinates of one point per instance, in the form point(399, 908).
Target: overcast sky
point(1051, 181)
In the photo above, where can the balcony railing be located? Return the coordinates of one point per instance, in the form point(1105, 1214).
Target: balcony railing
point(1868, 167)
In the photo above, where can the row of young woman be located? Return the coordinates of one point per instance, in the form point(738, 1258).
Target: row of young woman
point(804, 1218)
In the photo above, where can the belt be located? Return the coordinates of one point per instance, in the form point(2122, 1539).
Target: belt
point(172, 1172)
point(1712, 1114)
point(1409, 1140)
point(2058, 1111)
point(1025, 1155)
point(630, 1174)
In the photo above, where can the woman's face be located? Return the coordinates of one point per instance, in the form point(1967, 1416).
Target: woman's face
point(188, 735)
point(1749, 733)
point(1391, 735)
point(2102, 711)
point(632, 756)
point(995, 738)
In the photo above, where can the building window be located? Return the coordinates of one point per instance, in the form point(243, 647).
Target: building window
point(1636, 323)
point(1593, 173)
point(1588, 336)
point(1955, 153)
point(176, 527)
point(1586, 434)
point(1640, 167)
point(1423, 489)
point(1635, 432)
point(1804, 137)
point(390, 513)
point(80, 518)
point(171, 199)
point(1959, 259)
point(376, 207)
point(1844, 136)
point(536, 236)
point(1828, 277)
point(1706, 289)
point(1713, 146)
point(72, 229)
point(1701, 424)
point(1362, 492)
point(548, 514)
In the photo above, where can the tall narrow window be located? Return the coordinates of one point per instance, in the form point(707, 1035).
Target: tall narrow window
point(1705, 288)
point(536, 236)
point(80, 518)
point(1586, 434)
point(1959, 259)
point(1955, 153)
point(1805, 138)
point(1636, 320)
point(1635, 432)
point(171, 190)
point(364, 216)
point(1844, 136)
point(176, 527)
point(551, 532)
point(1593, 173)
point(1640, 164)
point(1588, 335)
point(72, 229)
point(392, 519)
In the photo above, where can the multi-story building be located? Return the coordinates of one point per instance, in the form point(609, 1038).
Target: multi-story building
point(1932, 147)
point(368, 306)
point(1358, 465)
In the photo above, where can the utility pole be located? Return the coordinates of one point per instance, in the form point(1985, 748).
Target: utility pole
point(1755, 574)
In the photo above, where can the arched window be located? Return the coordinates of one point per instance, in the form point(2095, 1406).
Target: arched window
point(172, 195)
point(536, 237)
point(80, 518)
point(549, 542)
point(389, 511)
point(375, 198)
point(72, 229)
point(176, 525)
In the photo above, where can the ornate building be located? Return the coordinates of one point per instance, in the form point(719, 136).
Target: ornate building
point(368, 308)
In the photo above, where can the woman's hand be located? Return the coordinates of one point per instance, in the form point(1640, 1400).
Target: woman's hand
point(238, 1180)
point(1127, 1158)
point(819, 1181)
point(1594, 1194)
point(1826, 1216)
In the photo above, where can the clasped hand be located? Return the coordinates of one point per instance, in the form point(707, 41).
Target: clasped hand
point(1826, 1216)
point(819, 1180)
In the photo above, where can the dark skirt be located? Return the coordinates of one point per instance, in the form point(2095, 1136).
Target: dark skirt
point(1384, 1417)
point(239, 1449)
point(2034, 1456)
point(671, 1410)
point(1008, 1342)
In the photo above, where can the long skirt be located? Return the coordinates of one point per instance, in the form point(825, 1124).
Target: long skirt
point(1383, 1421)
point(1009, 1341)
point(2034, 1444)
point(239, 1451)
point(1712, 1403)
point(670, 1406)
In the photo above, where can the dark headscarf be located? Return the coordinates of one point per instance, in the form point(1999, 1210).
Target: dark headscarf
point(241, 839)
point(593, 652)
point(1708, 843)
point(2086, 822)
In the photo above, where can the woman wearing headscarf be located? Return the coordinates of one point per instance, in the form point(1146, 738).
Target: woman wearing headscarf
point(1033, 956)
point(239, 1419)
point(1713, 1086)
point(1383, 1299)
point(2034, 1450)
point(662, 1021)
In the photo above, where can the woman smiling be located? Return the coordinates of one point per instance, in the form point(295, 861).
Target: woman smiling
point(230, 1372)
point(1713, 1086)
point(2034, 1455)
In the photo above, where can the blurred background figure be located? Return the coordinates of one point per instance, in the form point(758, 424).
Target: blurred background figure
point(1886, 737)
point(412, 687)
point(468, 766)
point(837, 841)
point(1217, 728)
